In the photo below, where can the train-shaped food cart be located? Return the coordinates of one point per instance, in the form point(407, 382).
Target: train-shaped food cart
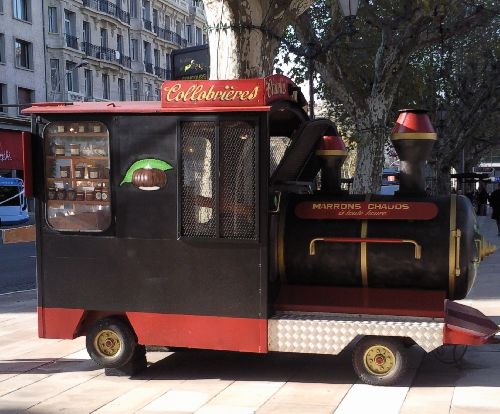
point(215, 219)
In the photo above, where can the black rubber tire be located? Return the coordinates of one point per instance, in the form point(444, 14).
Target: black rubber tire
point(125, 335)
point(395, 345)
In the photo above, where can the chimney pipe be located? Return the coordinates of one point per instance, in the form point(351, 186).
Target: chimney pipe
point(332, 153)
point(413, 137)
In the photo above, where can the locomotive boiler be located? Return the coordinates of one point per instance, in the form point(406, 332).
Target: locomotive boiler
point(410, 240)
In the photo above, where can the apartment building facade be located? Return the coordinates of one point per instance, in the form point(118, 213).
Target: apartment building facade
point(116, 50)
point(22, 60)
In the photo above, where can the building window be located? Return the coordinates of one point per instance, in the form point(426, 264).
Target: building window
point(105, 86)
point(1, 6)
point(121, 89)
point(119, 44)
point(157, 94)
point(71, 77)
point(2, 48)
point(78, 194)
point(53, 20)
point(134, 49)
point(167, 22)
point(86, 32)
point(149, 92)
point(133, 8)
point(3, 97)
point(136, 95)
point(22, 9)
point(70, 29)
point(55, 85)
point(24, 53)
point(24, 97)
point(199, 36)
point(104, 38)
point(88, 83)
point(189, 34)
point(167, 61)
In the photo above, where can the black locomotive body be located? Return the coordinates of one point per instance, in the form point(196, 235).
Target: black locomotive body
point(383, 253)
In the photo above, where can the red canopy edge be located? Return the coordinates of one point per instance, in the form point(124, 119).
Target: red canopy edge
point(129, 107)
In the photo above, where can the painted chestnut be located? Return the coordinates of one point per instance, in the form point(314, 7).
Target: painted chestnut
point(149, 178)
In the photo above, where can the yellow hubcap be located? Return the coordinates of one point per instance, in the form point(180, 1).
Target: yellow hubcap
point(379, 360)
point(107, 343)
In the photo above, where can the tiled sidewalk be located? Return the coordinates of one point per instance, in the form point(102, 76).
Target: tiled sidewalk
point(48, 376)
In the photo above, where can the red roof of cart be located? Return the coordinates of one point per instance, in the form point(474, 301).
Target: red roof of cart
point(240, 95)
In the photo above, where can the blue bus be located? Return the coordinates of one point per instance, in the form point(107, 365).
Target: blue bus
point(13, 205)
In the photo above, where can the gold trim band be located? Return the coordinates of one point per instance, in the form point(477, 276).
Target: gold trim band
point(453, 245)
point(331, 152)
point(364, 254)
point(414, 135)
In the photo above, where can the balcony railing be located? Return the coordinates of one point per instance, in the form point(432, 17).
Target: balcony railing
point(148, 67)
point(148, 24)
point(170, 36)
point(163, 73)
point(108, 8)
point(71, 41)
point(105, 53)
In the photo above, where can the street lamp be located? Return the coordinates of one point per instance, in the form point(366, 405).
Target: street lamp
point(68, 71)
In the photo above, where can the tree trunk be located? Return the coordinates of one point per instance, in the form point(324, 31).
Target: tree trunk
point(244, 36)
point(369, 161)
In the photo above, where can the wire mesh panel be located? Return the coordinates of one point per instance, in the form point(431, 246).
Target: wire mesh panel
point(238, 219)
point(278, 146)
point(198, 175)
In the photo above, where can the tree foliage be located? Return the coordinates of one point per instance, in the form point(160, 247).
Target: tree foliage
point(361, 75)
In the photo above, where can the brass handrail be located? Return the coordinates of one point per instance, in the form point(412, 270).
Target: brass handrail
point(312, 248)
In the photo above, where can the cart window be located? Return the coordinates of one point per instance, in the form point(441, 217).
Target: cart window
point(278, 146)
point(198, 174)
point(237, 180)
point(77, 176)
point(219, 201)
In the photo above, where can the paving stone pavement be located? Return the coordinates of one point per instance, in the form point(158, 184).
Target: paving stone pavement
point(49, 376)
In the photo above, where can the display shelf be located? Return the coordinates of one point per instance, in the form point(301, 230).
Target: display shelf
point(51, 203)
point(78, 157)
point(90, 180)
point(77, 134)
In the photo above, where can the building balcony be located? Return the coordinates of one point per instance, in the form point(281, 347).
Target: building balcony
point(163, 73)
point(170, 36)
point(105, 53)
point(108, 8)
point(147, 24)
point(148, 67)
point(71, 41)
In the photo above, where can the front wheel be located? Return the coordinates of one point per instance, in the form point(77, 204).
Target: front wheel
point(111, 343)
point(379, 360)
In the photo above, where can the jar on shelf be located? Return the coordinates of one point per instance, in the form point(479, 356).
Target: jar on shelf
point(104, 194)
point(65, 171)
point(74, 150)
point(98, 193)
point(59, 149)
point(80, 195)
point(89, 195)
point(61, 194)
point(71, 194)
point(51, 193)
point(80, 172)
point(93, 172)
point(81, 128)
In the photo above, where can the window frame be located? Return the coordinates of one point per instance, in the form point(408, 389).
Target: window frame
point(32, 98)
point(52, 19)
point(3, 97)
point(25, 10)
point(217, 119)
point(2, 48)
point(106, 87)
point(110, 228)
point(29, 56)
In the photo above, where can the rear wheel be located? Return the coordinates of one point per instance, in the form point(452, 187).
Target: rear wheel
point(111, 343)
point(380, 360)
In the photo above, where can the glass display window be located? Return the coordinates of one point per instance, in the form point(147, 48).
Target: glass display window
point(77, 176)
